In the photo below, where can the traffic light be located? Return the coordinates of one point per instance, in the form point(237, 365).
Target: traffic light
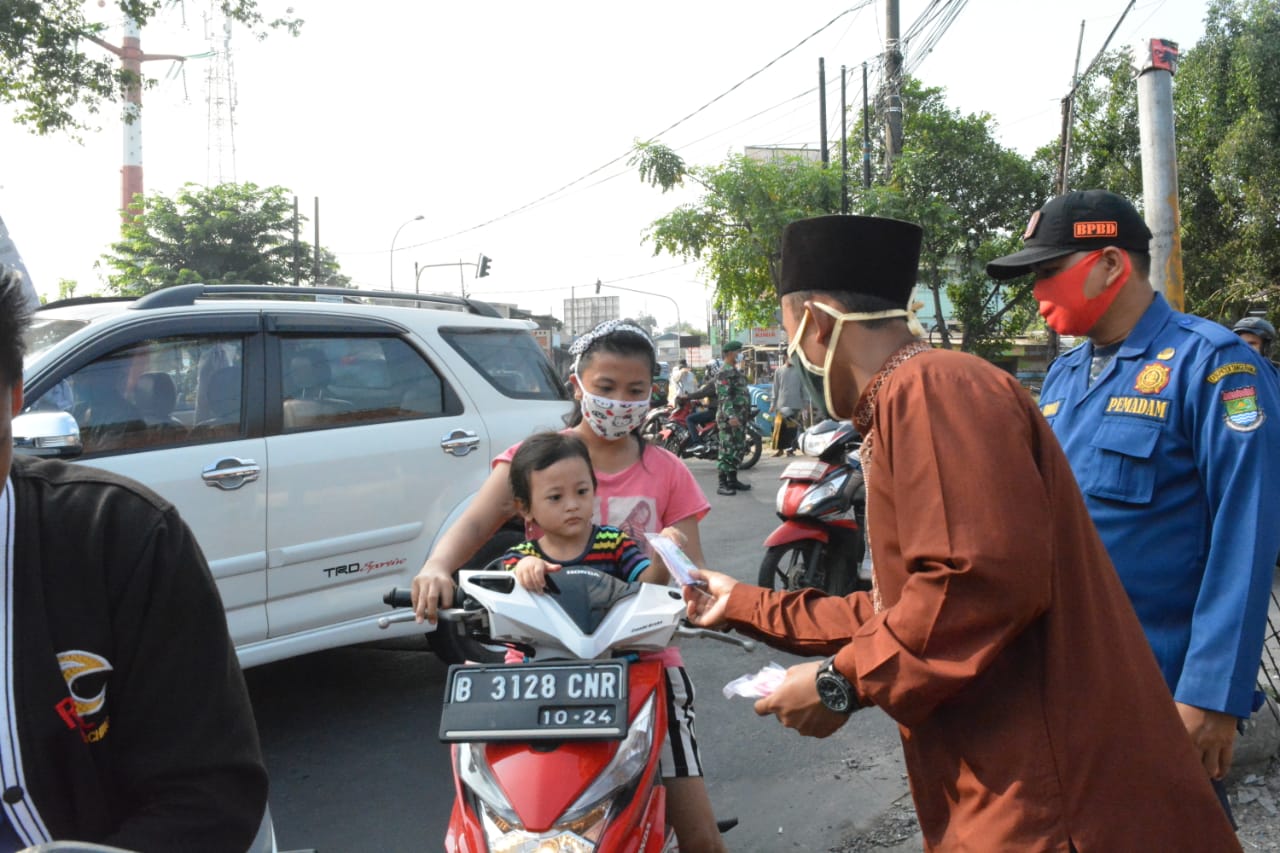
point(482, 268)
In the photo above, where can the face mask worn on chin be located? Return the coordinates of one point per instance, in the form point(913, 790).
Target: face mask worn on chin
point(1062, 301)
point(817, 378)
point(611, 419)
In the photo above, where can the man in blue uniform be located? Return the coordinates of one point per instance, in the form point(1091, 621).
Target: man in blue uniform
point(1172, 427)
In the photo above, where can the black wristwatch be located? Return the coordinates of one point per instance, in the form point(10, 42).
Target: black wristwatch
point(834, 689)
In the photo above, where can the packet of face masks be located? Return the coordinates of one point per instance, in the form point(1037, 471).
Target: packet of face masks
point(676, 560)
point(756, 686)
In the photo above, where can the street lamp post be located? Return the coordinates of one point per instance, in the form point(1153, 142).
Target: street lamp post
point(392, 253)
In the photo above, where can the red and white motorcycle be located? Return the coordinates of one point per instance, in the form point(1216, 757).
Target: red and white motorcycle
point(822, 504)
point(560, 753)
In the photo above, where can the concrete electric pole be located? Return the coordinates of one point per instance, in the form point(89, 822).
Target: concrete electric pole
point(1156, 60)
point(892, 87)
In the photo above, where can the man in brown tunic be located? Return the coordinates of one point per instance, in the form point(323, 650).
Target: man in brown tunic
point(1032, 713)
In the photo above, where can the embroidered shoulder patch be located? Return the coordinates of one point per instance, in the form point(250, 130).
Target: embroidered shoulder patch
point(1152, 379)
point(1051, 409)
point(1230, 369)
point(1242, 411)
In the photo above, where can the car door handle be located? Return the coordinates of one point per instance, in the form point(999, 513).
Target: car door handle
point(460, 442)
point(231, 473)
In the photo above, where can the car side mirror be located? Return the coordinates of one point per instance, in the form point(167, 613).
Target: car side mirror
point(48, 434)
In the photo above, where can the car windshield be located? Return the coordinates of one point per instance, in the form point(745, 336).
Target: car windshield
point(44, 333)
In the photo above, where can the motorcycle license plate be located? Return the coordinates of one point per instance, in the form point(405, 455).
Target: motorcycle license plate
point(804, 470)
point(579, 700)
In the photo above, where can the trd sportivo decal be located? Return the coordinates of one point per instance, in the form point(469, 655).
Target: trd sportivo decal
point(364, 568)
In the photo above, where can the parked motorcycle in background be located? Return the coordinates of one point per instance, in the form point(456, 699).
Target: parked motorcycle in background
point(561, 752)
point(822, 504)
point(669, 428)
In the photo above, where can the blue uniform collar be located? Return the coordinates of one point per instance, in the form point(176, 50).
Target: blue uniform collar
point(1158, 313)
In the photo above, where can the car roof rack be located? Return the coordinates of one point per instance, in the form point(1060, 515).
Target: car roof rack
point(187, 294)
point(83, 300)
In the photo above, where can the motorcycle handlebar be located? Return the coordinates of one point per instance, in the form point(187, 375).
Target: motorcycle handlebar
point(397, 597)
point(721, 636)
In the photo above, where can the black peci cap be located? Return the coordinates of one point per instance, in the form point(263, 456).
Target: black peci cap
point(856, 254)
point(1075, 222)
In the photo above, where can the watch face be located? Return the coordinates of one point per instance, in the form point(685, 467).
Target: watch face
point(834, 694)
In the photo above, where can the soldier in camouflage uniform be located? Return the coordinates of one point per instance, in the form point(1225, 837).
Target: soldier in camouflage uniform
point(731, 419)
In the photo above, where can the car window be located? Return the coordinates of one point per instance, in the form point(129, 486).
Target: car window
point(154, 393)
point(337, 380)
point(44, 332)
point(510, 360)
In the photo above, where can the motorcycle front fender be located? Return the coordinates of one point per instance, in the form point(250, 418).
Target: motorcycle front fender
point(794, 531)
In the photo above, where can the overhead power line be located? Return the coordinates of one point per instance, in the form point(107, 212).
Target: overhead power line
point(524, 207)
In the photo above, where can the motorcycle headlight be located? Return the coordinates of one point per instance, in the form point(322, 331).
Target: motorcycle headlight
point(582, 824)
point(818, 494)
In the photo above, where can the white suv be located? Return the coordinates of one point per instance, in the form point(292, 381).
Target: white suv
point(317, 440)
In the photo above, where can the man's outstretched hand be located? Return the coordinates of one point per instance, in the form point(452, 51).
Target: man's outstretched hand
point(705, 607)
point(796, 704)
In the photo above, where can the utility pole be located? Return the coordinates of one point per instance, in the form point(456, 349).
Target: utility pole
point(315, 277)
point(296, 268)
point(844, 141)
point(822, 111)
point(1054, 343)
point(1068, 118)
point(866, 132)
point(892, 87)
point(1156, 60)
point(131, 59)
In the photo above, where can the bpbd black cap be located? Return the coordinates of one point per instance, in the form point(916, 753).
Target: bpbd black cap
point(1079, 221)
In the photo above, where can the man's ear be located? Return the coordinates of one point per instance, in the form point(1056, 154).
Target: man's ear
point(822, 322)
point(17, 397)
point(1116, 264)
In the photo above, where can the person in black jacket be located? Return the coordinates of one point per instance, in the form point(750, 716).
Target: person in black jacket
point(126, 717)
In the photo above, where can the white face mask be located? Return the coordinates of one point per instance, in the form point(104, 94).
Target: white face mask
point(819, 377)
point(611, 419)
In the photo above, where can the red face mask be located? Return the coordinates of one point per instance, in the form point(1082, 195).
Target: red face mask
point(1063, 303)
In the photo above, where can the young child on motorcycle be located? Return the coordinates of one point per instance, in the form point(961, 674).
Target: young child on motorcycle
point(641, 489)
point(554, 487)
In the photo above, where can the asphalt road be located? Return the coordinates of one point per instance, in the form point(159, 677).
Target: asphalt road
point(350, 734)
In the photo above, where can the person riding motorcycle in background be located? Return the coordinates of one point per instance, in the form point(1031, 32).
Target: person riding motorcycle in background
point(1257, 333)
point(706, 391)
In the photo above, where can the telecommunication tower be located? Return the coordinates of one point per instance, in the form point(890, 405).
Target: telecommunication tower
point(220, 97)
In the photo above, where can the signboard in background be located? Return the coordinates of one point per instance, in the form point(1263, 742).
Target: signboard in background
point(543, 337)
point(767, 337)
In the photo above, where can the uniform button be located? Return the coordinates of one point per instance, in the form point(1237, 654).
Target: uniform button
point(1185, 321)
point(13, 795)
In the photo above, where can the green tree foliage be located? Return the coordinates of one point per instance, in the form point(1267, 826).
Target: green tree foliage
point(51, 69)
point(952, 178)
point(968, 193)
point(735, 228)
point(1227, 114)
point(1226, 96)
point(229, 233)
point(1105, 148)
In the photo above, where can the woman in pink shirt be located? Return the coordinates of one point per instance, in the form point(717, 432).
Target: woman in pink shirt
point(640, 489)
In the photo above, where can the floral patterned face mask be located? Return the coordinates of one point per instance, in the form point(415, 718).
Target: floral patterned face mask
point(611, 419)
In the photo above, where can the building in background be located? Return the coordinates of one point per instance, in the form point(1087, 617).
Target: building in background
point(583, 313)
